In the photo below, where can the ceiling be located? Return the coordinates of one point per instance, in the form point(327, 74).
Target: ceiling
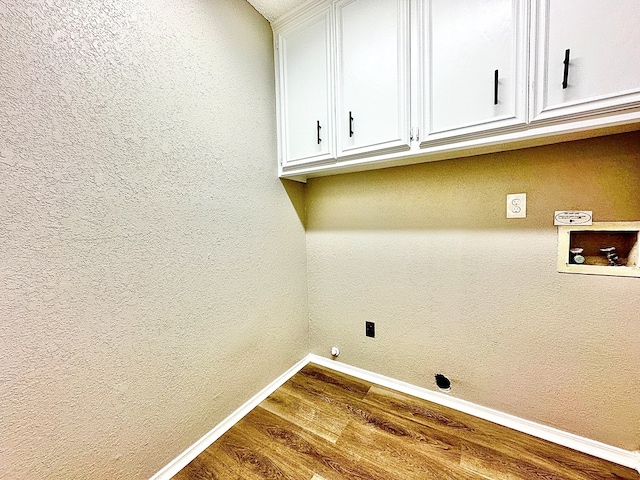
point(272, 9)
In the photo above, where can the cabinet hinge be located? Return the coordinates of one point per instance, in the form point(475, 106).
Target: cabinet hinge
point(277, 44)
point(415, 134)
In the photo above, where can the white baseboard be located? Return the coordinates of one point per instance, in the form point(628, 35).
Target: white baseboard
point(617, 455)
point(610, 453)
point(216, 432)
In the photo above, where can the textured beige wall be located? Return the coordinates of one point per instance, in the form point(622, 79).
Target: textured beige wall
point(426, 252)
point(152, 265)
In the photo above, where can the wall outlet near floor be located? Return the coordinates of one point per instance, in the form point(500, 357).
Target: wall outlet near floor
point(517, 205)
point(370, 329)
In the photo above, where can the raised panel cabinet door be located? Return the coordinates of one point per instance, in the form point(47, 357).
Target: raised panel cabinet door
point(306, 121)
point(373, 75)
point(474, 54)
point(587, 57)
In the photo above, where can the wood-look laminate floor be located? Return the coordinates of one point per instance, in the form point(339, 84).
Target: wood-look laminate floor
point(323, 425)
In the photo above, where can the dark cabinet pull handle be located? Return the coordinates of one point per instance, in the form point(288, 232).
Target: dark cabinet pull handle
point(350, 125)
point(495, 87)
point(565, 77)
point(318, 127)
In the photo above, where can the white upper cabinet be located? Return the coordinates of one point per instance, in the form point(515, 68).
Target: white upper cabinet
point(365, 84)
point(373, 80)
point(587, 57)
point(305, 91)
point(473, 66)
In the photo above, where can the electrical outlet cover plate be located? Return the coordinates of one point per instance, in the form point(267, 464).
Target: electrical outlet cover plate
point(517, 205)
point(370, 329)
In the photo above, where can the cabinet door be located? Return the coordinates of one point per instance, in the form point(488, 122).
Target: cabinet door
point(305, 91)
point(474, 59)
point(373, 76)
point(600, 41)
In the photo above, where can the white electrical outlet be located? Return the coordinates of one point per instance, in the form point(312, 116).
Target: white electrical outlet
point(517, 205)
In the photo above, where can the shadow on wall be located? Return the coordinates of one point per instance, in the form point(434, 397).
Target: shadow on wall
point(296, 193)
point(600, 174)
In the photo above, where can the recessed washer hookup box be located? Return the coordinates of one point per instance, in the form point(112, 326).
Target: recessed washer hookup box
point(602, 248)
